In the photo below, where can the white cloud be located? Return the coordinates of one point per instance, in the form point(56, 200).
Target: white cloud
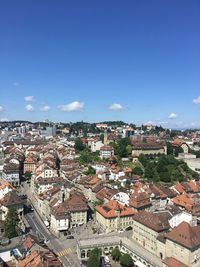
point(74, 106)
point(15, 84)
point(1, 108)
point(163, 122)
point(29, 108)
point(45, 108)
point(4, 119)
point(29, 98)
point(196, 101)
point(172, 116)
point(116, 107)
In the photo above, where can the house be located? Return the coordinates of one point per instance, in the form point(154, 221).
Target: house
point(96, 145)
point(43, 184)
point(11, 199)
point(40, 259)
point(188, 203)
point(140, 201)
point(122, 198)
point(29, 164)
point(113, 216)
point(11, 173)
point(5, 187)
point(106, 152)
point(70, 213)
point(181, 143)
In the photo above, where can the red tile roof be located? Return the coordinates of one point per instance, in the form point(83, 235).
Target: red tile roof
point(185, 235)
point(111, 209)
point(172, 262)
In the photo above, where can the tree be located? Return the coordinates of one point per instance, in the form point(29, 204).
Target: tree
point(101, 137)
point(149, 171)
point(88, 157)
point(79, 146)
point(178, 150)
point(93, 260)
point(126, 260)
point(138, 171)
point(123, 147)
point(143, 159)
point(11, 222)
point(27, 175)
point(116, 254)
point(170, 149)
point(90, 171)
point(129, 150)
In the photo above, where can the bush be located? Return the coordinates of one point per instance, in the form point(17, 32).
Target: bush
point(126, 260)
point(116, 254)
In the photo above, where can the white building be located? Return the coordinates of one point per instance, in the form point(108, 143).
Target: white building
point(96, 146)
point(106, 152)
point(122, 198)
point(179, 218)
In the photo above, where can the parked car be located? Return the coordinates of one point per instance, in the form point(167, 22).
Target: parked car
point(70, 237)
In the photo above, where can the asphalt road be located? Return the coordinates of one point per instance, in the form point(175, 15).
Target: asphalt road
point(53, 242)
point(66, 249)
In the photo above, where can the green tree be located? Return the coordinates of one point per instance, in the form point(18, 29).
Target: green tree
point(116, 254)
point(149, 171)
point(126, 260)
point(27, 175)
point(165, 177)
point(90, 171)
point(138, 171)
point(178, 150)
point(143, 159)
point(123, 147)
point(79, 146)
point(101, 137)
point(170, 150)
point(93, 260)
point(88, 157)
point(129, 150)
point(11, 222)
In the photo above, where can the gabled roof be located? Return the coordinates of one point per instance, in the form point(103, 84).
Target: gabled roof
point(111, 209)
point(172, 262)
point(185, 235)
point(156, 222)
point(11, 199)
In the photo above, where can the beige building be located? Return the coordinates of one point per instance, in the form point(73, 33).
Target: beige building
point(11, 199)
point(113, 216)
point(147, 227)
point(148, 148)
point(70, 213)
point(29, 165)
point(183, 244)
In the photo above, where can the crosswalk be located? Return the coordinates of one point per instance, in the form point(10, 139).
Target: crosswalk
point(64, 252)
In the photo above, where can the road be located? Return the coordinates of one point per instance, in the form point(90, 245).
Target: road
point(65, 249)
point(59, 247)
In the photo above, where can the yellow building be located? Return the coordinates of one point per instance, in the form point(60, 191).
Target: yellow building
point(113, 216)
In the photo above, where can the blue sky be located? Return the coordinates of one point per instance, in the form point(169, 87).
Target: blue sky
point(137, 61)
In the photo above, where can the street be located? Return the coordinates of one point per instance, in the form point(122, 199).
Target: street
point(64, 248)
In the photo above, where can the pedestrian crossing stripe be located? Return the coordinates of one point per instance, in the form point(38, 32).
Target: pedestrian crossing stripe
point(64, 252)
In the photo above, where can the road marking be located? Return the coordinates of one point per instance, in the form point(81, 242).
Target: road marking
point(64, 252)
